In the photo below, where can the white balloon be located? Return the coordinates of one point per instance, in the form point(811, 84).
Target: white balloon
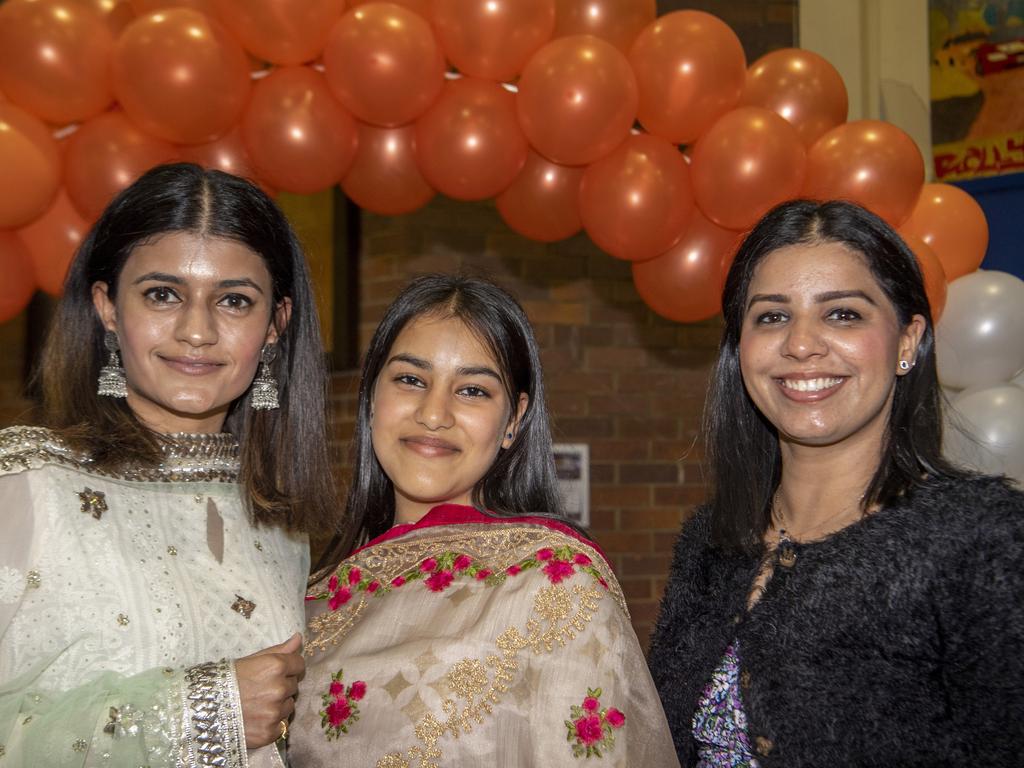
point(980, 338)
point(985, 431)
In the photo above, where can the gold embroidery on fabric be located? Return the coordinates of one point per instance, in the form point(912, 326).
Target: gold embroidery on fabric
point(393, 760)
point(467, 678)
point(563, 613)
point(495, 546)
point(93, 502)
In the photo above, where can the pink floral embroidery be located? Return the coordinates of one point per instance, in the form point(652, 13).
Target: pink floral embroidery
point(439, 580)
point(557, 570)
point(340, 709)
point(439, 573)
point(591, 729)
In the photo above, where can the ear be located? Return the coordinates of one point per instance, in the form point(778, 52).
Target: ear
point(910, 338)
point(105, 308)
point(513, 423)
point(279, 321)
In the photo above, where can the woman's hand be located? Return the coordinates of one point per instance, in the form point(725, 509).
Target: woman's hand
point(267, 683)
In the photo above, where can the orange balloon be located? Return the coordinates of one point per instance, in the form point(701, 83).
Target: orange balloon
point(690, 69)
point(384, 177)
point(869, 162)
point(104, 156)
point(469, 144)
point(228, 154)
point(617, 21)
point(116, 14)
point(935, 284)
point(577, 99)
point(30, 161)
point(143, 7)
point(492, 39)
point(748, 162)
point(281, 31)
point(422, 7)
point(18, 285)
point(543, 203)
point(802, 87)
point(53, 59)
point(180, 76)
point(953, 225)
point(299, 137)
point(383, 63)
point(685, 283)
point(52, 240)
point(636, 203)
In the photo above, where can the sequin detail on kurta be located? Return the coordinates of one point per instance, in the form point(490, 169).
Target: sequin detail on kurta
point(719, 724)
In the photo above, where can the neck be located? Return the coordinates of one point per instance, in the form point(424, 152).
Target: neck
point(822, 486)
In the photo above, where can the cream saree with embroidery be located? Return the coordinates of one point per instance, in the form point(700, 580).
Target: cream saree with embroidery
point(464, 640)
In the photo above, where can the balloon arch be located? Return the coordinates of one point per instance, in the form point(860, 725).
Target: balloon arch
point(531, 102)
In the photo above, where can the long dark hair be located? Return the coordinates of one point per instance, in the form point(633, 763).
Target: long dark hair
point(522, 479)
point(742, 445)
point(284, 456)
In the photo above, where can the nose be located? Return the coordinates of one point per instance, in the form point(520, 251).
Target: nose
point(434, 412)
point(804, 340)
point(196, 325)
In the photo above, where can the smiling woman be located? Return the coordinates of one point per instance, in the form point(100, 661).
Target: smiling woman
point(154, 554)
point(474, 625)
point(846, 597)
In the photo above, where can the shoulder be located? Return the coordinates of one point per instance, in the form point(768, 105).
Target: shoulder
point(971, 507)
point(25, 448)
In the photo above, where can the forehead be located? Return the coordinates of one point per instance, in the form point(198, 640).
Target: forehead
point(430, 336)
point(188, 255)
point(813, 268)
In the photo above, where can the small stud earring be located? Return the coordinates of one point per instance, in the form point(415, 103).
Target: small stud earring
point(904, 365)
point(509, 435)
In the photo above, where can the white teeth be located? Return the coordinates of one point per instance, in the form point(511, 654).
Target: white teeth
point(810, 385)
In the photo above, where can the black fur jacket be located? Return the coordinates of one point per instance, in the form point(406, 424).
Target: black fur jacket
point(896, 642)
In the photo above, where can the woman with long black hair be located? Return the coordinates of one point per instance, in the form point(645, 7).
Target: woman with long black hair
point(846, 597)
point(154, 554)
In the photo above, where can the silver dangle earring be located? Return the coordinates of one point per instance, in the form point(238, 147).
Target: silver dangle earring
point(264, 388)
point(112, 382)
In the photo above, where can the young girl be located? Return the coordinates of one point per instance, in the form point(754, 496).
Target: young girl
point(472, 626)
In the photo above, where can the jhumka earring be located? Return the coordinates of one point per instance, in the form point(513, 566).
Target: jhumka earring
point(112, 380)
point(264, 388)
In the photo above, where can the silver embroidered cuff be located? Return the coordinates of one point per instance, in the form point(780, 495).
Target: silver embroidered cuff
point(216, 737)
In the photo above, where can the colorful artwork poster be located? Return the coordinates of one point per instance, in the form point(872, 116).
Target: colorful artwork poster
point(977, 87)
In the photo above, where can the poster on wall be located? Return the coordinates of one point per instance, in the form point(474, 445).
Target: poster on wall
point(977, 87)
point(572, 468)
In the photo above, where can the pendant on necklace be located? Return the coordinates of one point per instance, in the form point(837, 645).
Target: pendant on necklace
point(785, 552)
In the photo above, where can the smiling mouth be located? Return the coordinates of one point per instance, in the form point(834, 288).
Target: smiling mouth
point(430, 446)
point(822, 384)
point(191, 366)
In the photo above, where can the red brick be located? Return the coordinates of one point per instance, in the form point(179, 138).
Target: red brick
point(631, 405)
point(617, 496)
point(649, 473)
point(660, 427)
point(579, 382)
point(602, 473)
point(615, 358)
point(643, 611)
point(556, 312)
point(672, 450)
point(574, 429)
point(598, 335)
point(618, 542)
point(654, 518)
point(619, 450)
point(603, 519)
point(566, 404)
point(636, 589)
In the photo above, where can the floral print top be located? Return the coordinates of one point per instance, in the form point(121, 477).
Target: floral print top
point(719, 724)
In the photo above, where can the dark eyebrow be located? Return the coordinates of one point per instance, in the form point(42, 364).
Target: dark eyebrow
point(163, 277)
point(425, 365)
point(821, 298)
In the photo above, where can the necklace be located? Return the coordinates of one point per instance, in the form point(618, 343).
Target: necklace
point(785, 541)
